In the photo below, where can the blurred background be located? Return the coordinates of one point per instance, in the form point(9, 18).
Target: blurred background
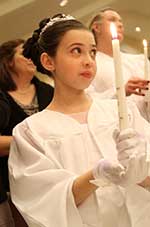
point(18, 18)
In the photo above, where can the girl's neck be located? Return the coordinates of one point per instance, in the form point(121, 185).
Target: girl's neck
point(68, 104)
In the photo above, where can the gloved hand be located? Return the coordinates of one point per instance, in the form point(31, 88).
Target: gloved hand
point(108, 170)
point(132, 153)
point(126, 141)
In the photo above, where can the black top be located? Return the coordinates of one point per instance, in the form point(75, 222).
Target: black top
point(11, 114)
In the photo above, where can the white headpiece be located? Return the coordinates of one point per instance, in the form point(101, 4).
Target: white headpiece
point(57, 19)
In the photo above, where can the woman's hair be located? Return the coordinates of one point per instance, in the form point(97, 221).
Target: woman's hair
point(7, 52)
point(47, 38)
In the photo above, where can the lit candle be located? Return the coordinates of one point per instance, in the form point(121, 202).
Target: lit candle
point(120, 90)
point(146, 63)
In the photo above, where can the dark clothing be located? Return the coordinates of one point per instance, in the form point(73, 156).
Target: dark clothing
point(6, 218)
point(3, 195)
point(11, 114)
point(14, 114)
point(4, 118)
point(4, 111)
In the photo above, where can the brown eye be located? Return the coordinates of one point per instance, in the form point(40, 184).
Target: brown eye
point(76, 50)
point(93, 53)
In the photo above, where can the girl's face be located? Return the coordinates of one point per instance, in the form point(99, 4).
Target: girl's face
point(20, 64)
point(74, 63)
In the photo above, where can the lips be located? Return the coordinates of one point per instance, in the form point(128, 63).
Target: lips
point(86, 74)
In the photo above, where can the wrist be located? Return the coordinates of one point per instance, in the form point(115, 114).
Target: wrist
point(96, 171)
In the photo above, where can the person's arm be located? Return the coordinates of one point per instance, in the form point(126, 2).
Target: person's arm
point(5, 145)
point(146, 183)
point(4, 111)
point(105, 172)
point(82, 187)
point(4, 119)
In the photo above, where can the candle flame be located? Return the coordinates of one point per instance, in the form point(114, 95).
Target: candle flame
point(113, 30)
point(144, 42)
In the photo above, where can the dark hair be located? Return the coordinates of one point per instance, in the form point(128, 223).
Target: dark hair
point(49, 39)
point(7, 52)
point(31, 48)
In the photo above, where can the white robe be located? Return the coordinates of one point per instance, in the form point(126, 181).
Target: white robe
point(104, 82)
point(49, 151)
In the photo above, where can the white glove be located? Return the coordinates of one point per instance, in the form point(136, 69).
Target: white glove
point(126, 141)
point(132, 153)
point(108, 170)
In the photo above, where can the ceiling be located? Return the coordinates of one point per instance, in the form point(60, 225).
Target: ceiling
point(18, 18)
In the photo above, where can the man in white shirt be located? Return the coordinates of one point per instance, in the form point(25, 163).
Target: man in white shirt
point(132, 65)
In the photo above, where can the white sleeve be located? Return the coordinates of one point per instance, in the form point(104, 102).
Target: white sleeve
point(143, 107)
point(139, 208)
point(40, 188)
point(138, 122)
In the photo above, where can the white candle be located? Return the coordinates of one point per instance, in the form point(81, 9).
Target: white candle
point(146, 62)
point(120, 90)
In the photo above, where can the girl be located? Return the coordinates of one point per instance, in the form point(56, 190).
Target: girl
point(74, 172)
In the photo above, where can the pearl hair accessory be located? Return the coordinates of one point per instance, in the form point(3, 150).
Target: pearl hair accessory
point(61, 17)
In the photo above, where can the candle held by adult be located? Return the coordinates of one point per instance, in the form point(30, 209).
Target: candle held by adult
point(120, 90)
point(146, 62)
point(146, 77)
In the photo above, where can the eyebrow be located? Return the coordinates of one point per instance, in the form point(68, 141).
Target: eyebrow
point(80, 44)
point(114, 17)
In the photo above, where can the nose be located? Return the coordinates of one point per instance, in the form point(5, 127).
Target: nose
point(88, 61)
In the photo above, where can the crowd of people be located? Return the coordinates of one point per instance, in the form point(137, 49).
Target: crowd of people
point(69, 163)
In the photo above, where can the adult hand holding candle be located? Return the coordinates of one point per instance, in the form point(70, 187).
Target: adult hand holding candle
point(120, 90)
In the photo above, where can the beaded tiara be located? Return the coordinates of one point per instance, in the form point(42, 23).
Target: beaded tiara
point(58, 18)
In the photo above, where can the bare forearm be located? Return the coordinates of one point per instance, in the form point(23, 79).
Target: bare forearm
point(5, 145)
point(82, 187)
point(145, 183)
